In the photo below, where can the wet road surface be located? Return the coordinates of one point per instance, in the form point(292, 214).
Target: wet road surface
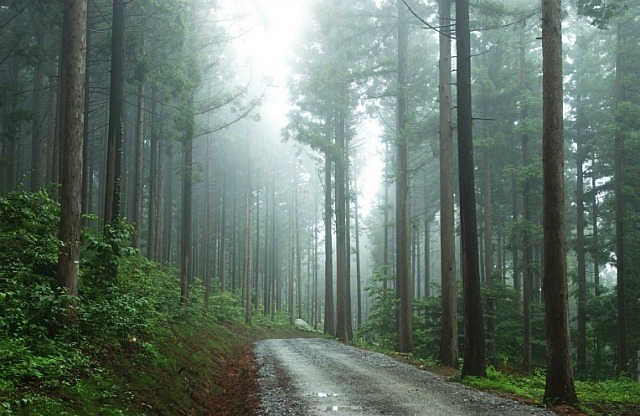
point(320, 377)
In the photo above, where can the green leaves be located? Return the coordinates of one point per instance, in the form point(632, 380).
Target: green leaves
point(28, 233)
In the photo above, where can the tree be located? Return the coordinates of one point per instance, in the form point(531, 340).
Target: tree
point(329, 310)
point(403, 205)
point(527, 190)
point(188, 123)
point(71, 191)
point(559, 386)
point(116, 123)
point(139, 144)
point(580, 238)
point(449, 331)
point(474, 349)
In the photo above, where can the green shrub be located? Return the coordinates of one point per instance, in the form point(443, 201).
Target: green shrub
point(29, 307)
point(380, 326)
point(427, 327)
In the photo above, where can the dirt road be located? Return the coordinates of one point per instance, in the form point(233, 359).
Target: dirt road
point(318, 376)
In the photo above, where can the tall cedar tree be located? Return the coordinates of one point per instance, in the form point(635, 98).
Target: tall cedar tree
point(559, 381)
point(474, 351)
point(116, 97)
point(71, 191)
point(449, 330)
point(403, 207)
point(329, 305)
point(620, 209)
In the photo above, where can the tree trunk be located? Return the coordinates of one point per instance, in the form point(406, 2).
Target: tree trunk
point(403, 201)
point(292, 256)
point(296, 230)
point(266, 285)
point(358, 271)
point(427, 257)
point(580, 249)
point(167, 202)
point(559, 380)
point(596, 243)
point(87, 166)
point(329, 311)
point(342, 313)
point(415, 261)
point(154, 180)
point(386, 267)
point(139, 161)
point(116, 123)
point(347, 219)
point(58, 141)
point(474, 349)
point(315, 308)
point(620, 220)
point(487, 211)
point(234, 235)
point(248, 304)
point(38, 118)
point(222, 258)
point(527, 279)
point(208, 234)
point(256, 267)
point(449, 330)
point(73, 128)
point(185, 235)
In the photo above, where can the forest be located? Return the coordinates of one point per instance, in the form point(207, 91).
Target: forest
point(454, 180)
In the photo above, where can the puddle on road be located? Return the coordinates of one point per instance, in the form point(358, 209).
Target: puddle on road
point(336, 408)
point(342, 409)
point(320, 394)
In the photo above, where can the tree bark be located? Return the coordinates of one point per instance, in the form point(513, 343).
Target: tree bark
point(386, 266)
point(185, 226)
point(527, 278)
point(342, 312)
point(139, 161)
point(474, 350)
point(73, 128)
point(580, 240)
point(449, 330)
point(487, 211)
point(620, 217)
point(559, 380)
point(358, 271)
point(155, 202)
point(596, 242)
point(208, 218)
point(38, 118)
point(248, 304)
point(116, 100)
point(403, 201)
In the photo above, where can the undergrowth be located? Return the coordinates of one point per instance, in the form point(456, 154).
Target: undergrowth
point(608, 397)
point(131, 347)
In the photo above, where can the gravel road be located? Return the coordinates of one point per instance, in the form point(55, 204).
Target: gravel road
point(319, 376)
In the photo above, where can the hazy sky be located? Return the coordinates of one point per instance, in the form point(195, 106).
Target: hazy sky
point(268, 31)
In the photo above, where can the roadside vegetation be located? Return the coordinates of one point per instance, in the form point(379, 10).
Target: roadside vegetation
point(607, 397)
point(126, 345)
point(598, 393)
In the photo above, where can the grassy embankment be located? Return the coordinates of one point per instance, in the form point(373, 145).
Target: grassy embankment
point(125, 345)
